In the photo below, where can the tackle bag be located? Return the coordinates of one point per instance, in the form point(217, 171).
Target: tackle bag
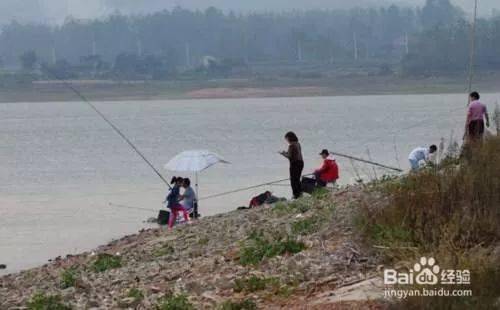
point(308, 185)
point(163, 217)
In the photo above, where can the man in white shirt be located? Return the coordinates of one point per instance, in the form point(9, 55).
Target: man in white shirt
point(420, 154)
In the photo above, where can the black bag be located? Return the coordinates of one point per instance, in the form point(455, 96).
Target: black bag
point(163, 217)
point(308, 185)
point(194, 213)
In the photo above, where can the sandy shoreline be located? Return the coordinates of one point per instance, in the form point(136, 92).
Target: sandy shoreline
point(108, 90)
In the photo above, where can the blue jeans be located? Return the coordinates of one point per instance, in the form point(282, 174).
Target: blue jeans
point(414, 164)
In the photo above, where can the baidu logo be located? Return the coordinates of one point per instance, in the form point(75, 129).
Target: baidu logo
point(426, 278)
point(424, 272)
point(427, 270)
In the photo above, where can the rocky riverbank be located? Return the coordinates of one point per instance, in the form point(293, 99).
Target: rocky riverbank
point(301, 254)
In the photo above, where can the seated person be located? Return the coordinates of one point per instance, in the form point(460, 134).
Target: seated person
point(329, 171)
point(189, 196)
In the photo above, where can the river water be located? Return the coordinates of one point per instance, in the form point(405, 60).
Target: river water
point(61, 166)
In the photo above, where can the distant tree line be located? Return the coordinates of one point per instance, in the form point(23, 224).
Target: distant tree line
point(433, 39)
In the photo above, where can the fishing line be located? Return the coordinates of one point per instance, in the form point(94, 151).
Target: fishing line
point(116, 129)
point(130, 207)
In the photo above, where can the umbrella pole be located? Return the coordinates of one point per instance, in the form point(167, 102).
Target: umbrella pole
point(196, 201)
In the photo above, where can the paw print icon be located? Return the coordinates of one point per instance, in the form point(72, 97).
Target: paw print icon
point(426, 271)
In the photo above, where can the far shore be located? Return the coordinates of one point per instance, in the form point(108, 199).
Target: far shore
point(106, 90)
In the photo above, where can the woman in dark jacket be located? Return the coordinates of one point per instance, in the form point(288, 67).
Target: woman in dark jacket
point(294, 155)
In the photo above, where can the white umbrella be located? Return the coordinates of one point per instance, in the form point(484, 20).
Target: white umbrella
point(194, 161)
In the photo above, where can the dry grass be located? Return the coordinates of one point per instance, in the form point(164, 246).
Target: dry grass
point(451, 212)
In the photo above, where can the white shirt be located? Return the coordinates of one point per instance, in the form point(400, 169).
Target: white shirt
point(420, 153)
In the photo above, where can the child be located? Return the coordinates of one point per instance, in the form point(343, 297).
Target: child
point(189, 196)
point(173, 199)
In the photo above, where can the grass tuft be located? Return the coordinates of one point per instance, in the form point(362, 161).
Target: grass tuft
point(68, 278)
point(306, 226)
point(136, 294)
point(105, 262)
point(164, 251)
point(257, 247)
point(41, 301)
point(175, 302)
point(255, 284)
point(246, 304)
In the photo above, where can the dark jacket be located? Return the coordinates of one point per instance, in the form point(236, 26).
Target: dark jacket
point(294, 153)
point(173, 196)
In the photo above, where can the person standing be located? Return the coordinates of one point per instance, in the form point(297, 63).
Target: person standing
point(421, 154)
point(294, 155)
point(476, 116)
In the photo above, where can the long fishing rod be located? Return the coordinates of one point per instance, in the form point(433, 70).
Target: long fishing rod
point(472, 47)
point(130, 207)
point(116, 129)
point(243, 189)
point(367, 161)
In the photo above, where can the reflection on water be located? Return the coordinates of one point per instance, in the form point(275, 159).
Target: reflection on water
point(61, 166)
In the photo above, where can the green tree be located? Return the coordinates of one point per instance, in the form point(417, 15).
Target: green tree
point(28, 60)
point(438, 13)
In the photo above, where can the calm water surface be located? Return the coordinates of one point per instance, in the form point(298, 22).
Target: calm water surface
point(61, 166)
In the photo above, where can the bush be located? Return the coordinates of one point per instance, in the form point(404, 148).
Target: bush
point(68, 278)
point(450, 211)
point(247, 304)
point(41, 301)
point(258, 247)
point(175, 302)
point(106, 262)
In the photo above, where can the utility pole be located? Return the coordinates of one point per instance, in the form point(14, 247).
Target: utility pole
point(299, 50)
point(407, 44)
point(355, 42)
point(331, 48)
point(188, 55)
point(245, 45)
point(94, 46)
point(139, 47)
point(54, 55)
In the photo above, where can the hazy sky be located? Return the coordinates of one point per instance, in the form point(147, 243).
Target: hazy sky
point(57, 10)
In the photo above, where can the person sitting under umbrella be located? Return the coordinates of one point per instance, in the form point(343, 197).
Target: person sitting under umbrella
point(189, 196)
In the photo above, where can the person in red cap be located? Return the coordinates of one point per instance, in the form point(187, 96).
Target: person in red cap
point(329, 172)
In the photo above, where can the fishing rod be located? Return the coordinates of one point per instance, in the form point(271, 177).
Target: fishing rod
point(130, 207)
point(472, 47)
point(115, 128)
point(243, 189)
point(367, 161)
